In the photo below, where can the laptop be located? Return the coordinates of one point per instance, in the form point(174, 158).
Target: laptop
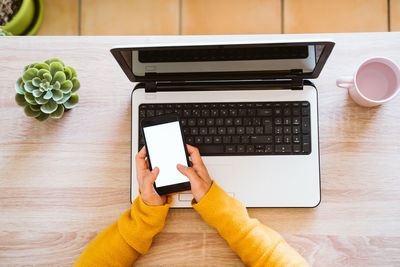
point(249, 107)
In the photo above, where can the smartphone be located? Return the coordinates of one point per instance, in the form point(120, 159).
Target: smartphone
point(165, 149)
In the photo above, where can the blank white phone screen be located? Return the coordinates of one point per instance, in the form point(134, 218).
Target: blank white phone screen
point(166, 149)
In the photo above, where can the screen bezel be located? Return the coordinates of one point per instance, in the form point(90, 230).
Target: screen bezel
point(157, 120)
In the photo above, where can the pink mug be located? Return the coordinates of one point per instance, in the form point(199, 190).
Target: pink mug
point(376, 81)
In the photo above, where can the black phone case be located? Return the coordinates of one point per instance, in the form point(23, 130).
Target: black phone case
point(156, 121)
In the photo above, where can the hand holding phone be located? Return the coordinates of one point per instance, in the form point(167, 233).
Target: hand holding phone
point(146, 180)
point(200, 180)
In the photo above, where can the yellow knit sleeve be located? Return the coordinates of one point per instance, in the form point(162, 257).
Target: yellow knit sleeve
point(122, 242)
point(255, 243)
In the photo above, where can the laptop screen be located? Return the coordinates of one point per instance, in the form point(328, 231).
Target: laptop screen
point(236, 61)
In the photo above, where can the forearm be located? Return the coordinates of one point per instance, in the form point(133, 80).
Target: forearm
point(122, 242)
point(256, 244)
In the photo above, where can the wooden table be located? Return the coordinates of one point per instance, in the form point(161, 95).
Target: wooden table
point(63, 181)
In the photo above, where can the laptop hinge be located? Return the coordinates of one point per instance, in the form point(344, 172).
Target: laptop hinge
point(297, 81)
point(150, 86)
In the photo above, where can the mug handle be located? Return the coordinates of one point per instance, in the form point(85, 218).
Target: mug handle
point(345, 81)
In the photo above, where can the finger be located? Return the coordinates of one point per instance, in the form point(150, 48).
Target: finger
point(189, 172)
point(140, 159)
point(149, 179)
point(194, 155)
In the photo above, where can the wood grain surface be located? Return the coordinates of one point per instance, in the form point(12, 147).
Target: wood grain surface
point(63, 181)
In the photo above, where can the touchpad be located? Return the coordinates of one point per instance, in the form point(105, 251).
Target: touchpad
point(185, 197)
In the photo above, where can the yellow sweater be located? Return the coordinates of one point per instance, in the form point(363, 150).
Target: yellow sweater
point(257, 245)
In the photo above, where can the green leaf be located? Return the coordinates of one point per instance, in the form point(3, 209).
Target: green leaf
point(40, 66)
point(73, 71)
point(49, 107)
point(18, 86)
point(76, 85)
point(40, 100)
point(54, 67)
point(36, 81)
point(30, 98)
point(28, 67)
point(30, 112)
point(42, 116)
point(64, 98)
point(57, 85)
point(29, 87)
point(48, 95)
point(35, 107)
point(29, 74)
point(37, 93)
point(58, 112)
point(66, 86)
point(42, 72)
point(20, 99)
point(59, 77)
point(72, 102)
point(51, 60)
point(57, 94)
point(47, 76)
point(68, 73)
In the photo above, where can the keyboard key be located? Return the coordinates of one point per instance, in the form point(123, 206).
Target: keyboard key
point(249, 130)
point(212, 130)
point(261, 139)
point(241, 148)
point(227, 139)
point(278, 130)
point(221, 130)
point(237, 121)
point(231, 130)
point(259, 130)
point(219, 121)
point(230, 148)
point(240, 130)
point(283, 148)
point(207, 139)
point(210, 122)
point(236, 140)
point(211, 149)
point(278, 139)
point(296, 148)
point(198, 140)
point(249, 148)
point(305, 126)
point(217, 139)
point(264, 112)
point(203, 131)
point(296, 121)
point(306, 148)
point(244, 139)
point(296, 129)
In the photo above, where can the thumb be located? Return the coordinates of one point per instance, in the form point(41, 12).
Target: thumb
point(152, 176)
point(187, 171)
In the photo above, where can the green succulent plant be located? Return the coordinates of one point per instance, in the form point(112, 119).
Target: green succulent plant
point(47, 89)
point(4, 33)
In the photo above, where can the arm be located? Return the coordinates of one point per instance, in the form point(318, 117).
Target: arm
point(256, 244)
point(122, 242)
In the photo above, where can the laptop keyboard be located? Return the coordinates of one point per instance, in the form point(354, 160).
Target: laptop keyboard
point(245, 128)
